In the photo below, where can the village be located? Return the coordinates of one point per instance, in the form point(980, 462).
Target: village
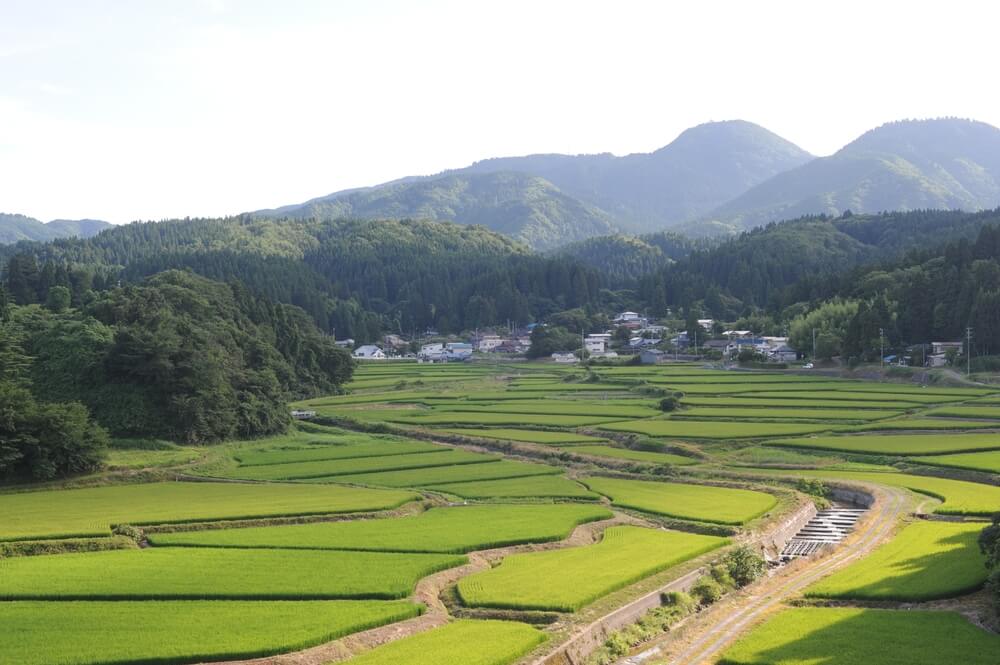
point(630, 337)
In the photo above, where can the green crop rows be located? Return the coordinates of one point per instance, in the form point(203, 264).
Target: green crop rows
point(450, 530)
point(166, 632)
point(851, 636)
point(703, 503)
point(567, 579)
point(91, 511)
point(897, 444)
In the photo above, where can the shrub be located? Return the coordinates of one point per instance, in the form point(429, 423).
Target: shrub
point(669, 404)
point(707, 590)
point(745, 565)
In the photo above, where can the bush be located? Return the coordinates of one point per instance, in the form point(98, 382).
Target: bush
point(707, 590)
point(722, 575)
point(669, 404)
point(745, 565)
point(813, 487)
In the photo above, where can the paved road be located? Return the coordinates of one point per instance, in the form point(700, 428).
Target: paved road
point(708, 647)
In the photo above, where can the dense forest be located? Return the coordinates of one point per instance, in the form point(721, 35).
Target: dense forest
point(354, 278)
point(175, 355)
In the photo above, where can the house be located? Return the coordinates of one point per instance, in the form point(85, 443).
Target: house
point(369, 352)
point(345, 343)
point(783, 354)
point(937, 360)
point(564, 358)
point(458, 350)
point(298, 414)
point(944, 347)
point(488, 343)
point(626, 317)
point(597, 343)
point(706, 323)
point(395, 341)
point(651, 356)
point(435, 348)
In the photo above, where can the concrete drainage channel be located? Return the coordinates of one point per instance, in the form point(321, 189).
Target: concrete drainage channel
point(828, 527)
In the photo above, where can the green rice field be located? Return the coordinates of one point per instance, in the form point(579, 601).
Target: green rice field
point(462, 642)
point(560, 407)
point(988, 461)
point(565, 580)
point(322, 453)
point(551, 487)
point(751, 401)
point(480, 418)
point(224, 573)
point(781, 413)
point(168, 632)
point(528, 436)
point(986, 412)
point(925, 561)
point(92, 511)
point(896, 444)
point(707, 429)
point(449, 474)
point(348, 467)
point(449, 530)
point(702, 503)
point(634, 455)
point(851, 636)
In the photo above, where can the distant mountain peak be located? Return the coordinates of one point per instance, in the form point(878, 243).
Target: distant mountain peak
point(16, 227)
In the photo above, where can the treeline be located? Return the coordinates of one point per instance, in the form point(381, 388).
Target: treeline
point(354, 278)
point(176, 356)
point(622, 259)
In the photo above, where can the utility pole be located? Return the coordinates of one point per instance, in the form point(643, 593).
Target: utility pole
point(814, 345)
point(968, 351)
point(881, 345)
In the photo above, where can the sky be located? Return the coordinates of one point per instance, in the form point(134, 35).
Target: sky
point(151, 110)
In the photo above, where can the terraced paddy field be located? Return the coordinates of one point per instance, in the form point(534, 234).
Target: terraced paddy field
point(225, 573)
point(534, 487)
point(988, 462)
point(347, 467)
point(345, 450)
point(861, 392)
point(849, 636)
point(896, 444)
point(957, 497)
point(461, 642)
point(984, 412)
point(449, 530)
point(928, 424)
point(438, 475)
point(85, 633)
point(561, 407)
point(702, 503)
point(740, 413)
point(751, 401)
point(708, 429)
point(925, 561)
point(528, 436)
point(634, 455)
point(481, 418)
point(92, 511)
point(566, 580)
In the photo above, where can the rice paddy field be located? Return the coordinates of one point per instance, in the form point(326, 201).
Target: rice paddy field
point(85, 633)
point(450, 530)
point(92, 511)
point(849, 636)
point(300, 539)
point(703, 503)
point(566, 580)
point(925, 561)
point(459, 643)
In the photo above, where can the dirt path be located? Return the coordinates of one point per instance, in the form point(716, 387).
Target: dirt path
point(724, 623)
point(428, 592)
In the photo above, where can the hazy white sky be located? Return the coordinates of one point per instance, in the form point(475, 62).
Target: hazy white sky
point(146, 110)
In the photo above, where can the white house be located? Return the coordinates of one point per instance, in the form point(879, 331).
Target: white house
point(626, 317)
point(597, 343)
point(564, 358)
point(489, 342)
point(706, 323)
point(458, 350)
point(369, 352)
point(345, 343)
point(430, 349)
point(944, 347)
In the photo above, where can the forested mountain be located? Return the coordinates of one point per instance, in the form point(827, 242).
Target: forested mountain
point(623, 258)
point(698, 171)
point(909, 165)
point(520, 206)
point(355, 278)
point(14, 228)
point(550, 200)
point(781, 264)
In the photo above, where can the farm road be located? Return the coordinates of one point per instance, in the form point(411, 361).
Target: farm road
point(734, 618)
